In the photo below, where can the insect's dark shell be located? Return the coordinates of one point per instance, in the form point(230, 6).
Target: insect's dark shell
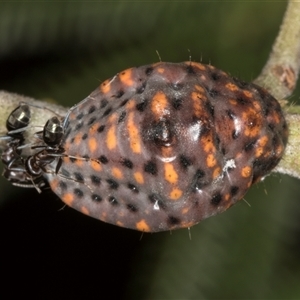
point(167, 145)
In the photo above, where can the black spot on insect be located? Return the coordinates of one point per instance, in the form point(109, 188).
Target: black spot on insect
point(91, 121)
point(119, 94)
point(149, 71)
point(103, 159)
point(215, 76)
point(198, 181)
point(233, 190)
point(234, 134)
point(218, 141)
point(242, 100)
point(216, 199)
point(96, 198)
point(84, 137)
point(95, 180)
point(107, 112)
point(141, 89)
point(133, 188)
point(80, 116)
point(210, 108)
point(266, 111)
point(173, 220)
point(271, 126)
point(101, 128)
point(65, 173)
point(123, 102)
point(72, 159)
point(62, 185)
point(131, 208)
point(104, 102)
point(205, 129)
point(112, 184)
point(113, 200)
point(190, 69)
point(67, 133)
point(161, 133)
point(91, 109)
point(78, 126)
point(185, 162)
point(230, 114)
point(213, 93)
point(78, 193)
point(157, 200)
point(72, 140)
point(177, 102)
point(240, 83)
point(142, 105)
point(127, 163)
point(249, 146)
point(177, 86)
point(151, 168)
point(86, 157)
point(122, 117)
point(78, 177)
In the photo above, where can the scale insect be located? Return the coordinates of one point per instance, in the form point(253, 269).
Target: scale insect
point(163, 146)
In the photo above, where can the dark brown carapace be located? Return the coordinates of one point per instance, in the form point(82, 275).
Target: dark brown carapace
point(167, 145)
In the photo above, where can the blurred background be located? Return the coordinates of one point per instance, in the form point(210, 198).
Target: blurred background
point(61, 51)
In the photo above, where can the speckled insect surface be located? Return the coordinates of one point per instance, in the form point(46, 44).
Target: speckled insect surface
point(159, 147)
point(167, 145)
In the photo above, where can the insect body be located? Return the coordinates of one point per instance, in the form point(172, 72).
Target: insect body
point(165, 146)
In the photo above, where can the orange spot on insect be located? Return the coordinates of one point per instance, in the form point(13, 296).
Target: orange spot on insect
point(216, 172)
point(159, 104)
point(197, 104)
point(79, 162)
point(227, 197)
point(130, 104)
point(67, 146)
point(66, 159)
point(194, 64)
point(170, 173)
point(139, 178)
point(261, 144)
point(117, 173)
point(126, 77)
point(118, 223)
point(211, 160)
point(142, 226)
point(93, 128)
point(208, 144)
point(54, 184)
point(257, 106)
point(233, 102)
point(77, 139)
point(246, 171)
point(68, 198)
point(175, 194)
point(111, 138)
point(232, 87)
point(160, 70)
point(92, 142)
point(84, 210)
point(112, 118)
point(248, 94)
point(185, 210)
point(199, 89)
point(96, 165)
point(134, 134)
point(105, 86)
